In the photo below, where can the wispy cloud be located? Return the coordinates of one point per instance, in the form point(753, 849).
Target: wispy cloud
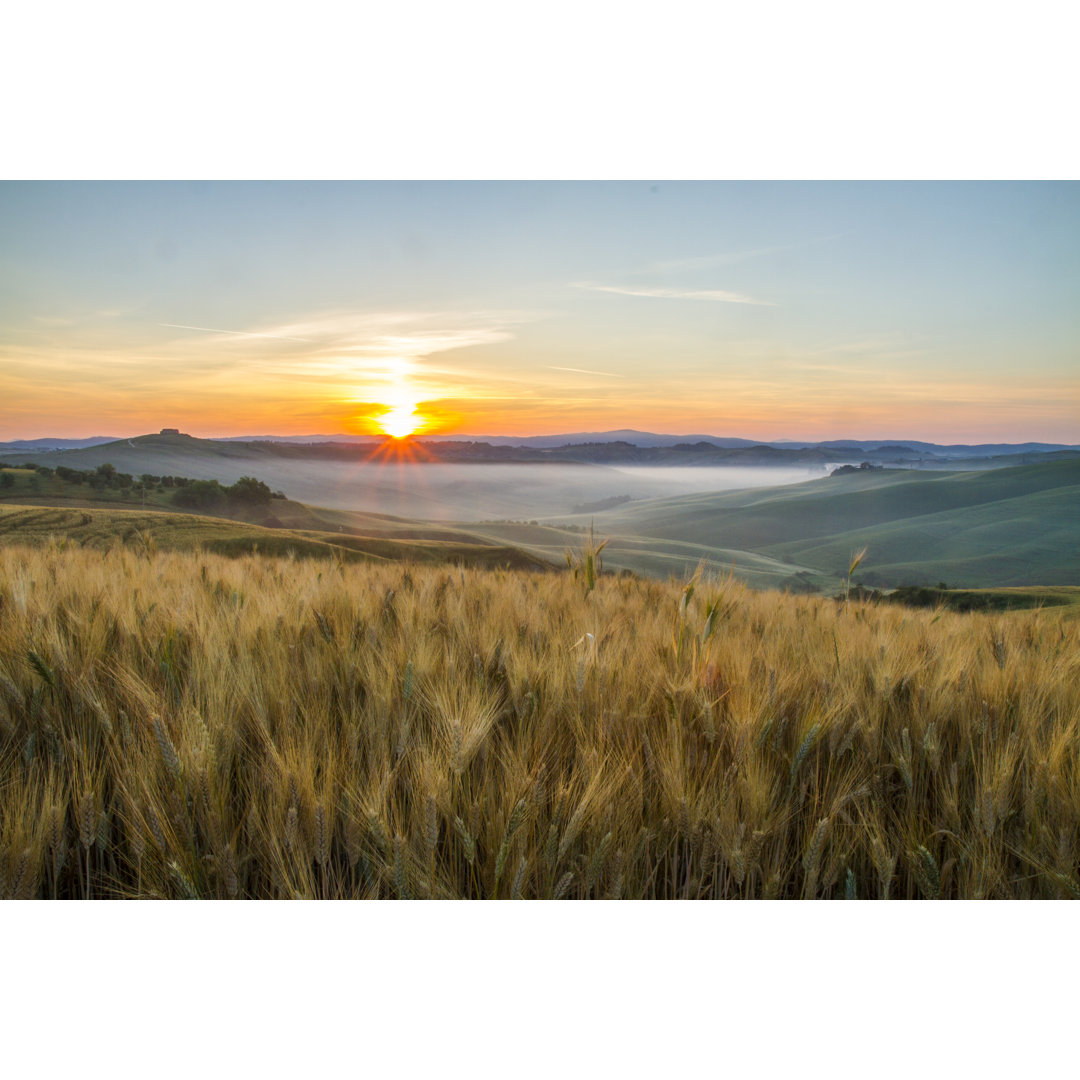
point(664, 293)
point(720, 258)
point(729, 258)
point(584, 371)
point(234, 333)
point(689, 265)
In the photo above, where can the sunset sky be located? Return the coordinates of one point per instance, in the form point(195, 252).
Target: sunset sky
point(939, 311)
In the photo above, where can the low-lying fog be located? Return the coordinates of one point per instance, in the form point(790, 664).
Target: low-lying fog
point(516, 492)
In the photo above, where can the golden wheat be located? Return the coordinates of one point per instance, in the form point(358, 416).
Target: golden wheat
point(178, 724)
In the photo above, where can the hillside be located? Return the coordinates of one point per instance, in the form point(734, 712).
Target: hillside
point(147, 531)
point(30, 487)
point(1014, 526)
point(1017, 526)
point(657, 557)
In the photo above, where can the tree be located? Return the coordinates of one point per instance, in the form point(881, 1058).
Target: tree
point(249, 492)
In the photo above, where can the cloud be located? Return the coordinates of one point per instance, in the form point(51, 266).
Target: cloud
point(662, 293)
point(389, 335)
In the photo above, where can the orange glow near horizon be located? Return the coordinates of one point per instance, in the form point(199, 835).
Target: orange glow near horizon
point(385, 413)
point(397, 406)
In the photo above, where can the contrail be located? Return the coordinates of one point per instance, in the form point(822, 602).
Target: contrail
point(672, 294)
point(584, 371)
point(237, 333)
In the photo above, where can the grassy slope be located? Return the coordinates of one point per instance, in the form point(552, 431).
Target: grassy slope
point(1032, 539)
point(653, 556)
point(279, 526)
point(1006, 527)
point(149, 530)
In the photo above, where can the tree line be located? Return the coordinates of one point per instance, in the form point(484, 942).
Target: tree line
point(188, 493)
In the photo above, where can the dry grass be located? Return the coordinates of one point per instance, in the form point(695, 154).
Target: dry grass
point(177, 724)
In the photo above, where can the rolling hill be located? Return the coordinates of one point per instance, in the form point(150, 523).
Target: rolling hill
point(1015, 526)
point(152, 530)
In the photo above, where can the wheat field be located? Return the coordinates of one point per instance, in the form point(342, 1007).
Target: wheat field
point(188, 725)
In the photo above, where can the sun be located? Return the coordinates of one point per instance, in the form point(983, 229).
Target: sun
point(400, 421)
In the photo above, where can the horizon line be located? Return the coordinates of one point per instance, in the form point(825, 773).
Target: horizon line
point(377, 437)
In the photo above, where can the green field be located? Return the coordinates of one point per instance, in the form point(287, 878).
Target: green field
point(1005, 527)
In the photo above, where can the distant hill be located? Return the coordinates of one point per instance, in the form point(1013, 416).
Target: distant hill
point(57, 444)
point(647, 439)
point(340, 437)
point(624, 435)
point(175, 453)
point(937, 450)
point(626, 442)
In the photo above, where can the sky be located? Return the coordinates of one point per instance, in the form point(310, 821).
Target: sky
point(943, 311)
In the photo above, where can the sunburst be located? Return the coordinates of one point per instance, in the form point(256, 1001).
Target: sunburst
point(401, 421)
